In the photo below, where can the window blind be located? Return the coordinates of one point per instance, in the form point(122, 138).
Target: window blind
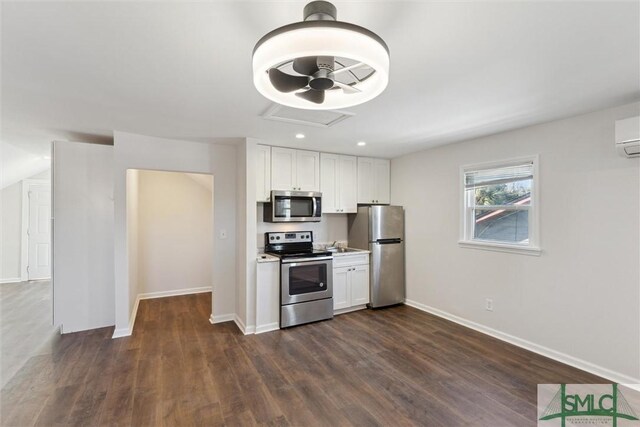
point(504, 175)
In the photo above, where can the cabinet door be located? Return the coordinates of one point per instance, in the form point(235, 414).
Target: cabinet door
point(348, 184)
point(341, 288)
point(283, 168)
point(381, 172)
point(359, 281)
point(329, 177)
point(263, 173)
point(365, 180)
point(307, 170)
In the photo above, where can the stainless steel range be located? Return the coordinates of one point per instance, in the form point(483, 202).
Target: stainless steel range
point(306, 278)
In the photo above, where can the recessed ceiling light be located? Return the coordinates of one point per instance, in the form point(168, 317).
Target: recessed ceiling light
point(362, 143)
point(299, 135)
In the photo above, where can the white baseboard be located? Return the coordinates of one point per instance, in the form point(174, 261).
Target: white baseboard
point(528, 345)
point(246, 330)
point(11, 280)
point(125, 332)
point(177, 292)
point(222, 318)
point(267, 328)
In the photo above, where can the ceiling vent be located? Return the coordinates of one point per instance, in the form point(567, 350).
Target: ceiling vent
point(318, 118)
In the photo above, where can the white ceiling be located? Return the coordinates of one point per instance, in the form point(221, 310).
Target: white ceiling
point(79, 70)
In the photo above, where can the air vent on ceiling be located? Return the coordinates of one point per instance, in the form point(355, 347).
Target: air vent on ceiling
point(319, 118)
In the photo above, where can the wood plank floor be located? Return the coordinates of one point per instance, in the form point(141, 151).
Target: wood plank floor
point(25, 324)
point(390, 367)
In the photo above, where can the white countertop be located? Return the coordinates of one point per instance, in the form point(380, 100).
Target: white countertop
point(267, 258)
point(351, 252)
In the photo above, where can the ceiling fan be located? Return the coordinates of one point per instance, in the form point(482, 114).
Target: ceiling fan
point(320, 63)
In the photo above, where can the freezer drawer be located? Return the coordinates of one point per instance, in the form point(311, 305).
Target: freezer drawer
point(387, 274)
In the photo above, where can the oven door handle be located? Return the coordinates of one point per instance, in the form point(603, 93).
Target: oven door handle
point(297, 260)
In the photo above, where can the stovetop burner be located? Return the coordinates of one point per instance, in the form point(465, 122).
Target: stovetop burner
point(296, 244)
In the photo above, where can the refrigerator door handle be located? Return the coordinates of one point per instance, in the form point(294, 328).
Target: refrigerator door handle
point(388, 241)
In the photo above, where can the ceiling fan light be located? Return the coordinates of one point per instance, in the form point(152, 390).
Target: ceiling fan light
point(322, 38)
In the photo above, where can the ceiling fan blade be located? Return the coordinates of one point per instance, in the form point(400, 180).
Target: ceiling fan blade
point(312, 95)
point(307, 65)
point(346, 88)
point(350, 67)
point(286, 82)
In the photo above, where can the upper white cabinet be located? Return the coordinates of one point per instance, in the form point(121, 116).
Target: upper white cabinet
point(373, 180)
point(338, 183)
point(295, 169)
point(263, 173)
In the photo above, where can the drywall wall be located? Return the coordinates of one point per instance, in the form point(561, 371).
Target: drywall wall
point(133, 231)
point(11, 233)
point(175, 233)
point(11, 228)
point(332, 227)
point(133, 151)
point(83, 291)
point(579, 300)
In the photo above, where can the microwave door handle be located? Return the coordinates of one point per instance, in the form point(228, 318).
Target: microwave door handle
point(315, 207)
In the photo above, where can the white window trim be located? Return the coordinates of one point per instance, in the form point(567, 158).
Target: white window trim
point(533, 247)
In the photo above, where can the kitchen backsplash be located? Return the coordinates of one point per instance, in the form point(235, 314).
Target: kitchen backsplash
point(333, 227)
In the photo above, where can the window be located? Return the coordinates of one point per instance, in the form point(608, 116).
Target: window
point(500, 206)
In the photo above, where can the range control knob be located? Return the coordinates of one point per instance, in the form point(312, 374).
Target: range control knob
point(277, 237)
point(271, 238)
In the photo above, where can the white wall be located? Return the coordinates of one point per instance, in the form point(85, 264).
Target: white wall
point(332, 227)
point(11, 232)
point(579, 299)
point(146, 152)
point(175, 232)
point(11, 228)
point(133, 231)
point(83, 291)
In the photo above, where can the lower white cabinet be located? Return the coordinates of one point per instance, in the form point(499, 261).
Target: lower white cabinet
point(350, 285)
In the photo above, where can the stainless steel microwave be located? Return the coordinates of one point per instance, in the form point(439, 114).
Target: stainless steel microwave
point(293, 206)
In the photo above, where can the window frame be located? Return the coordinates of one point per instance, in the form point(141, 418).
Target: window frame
point(466, 227)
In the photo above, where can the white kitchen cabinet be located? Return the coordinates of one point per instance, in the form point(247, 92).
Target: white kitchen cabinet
point(341, 294)
point(351, 282)
point(267, 295)
point(373, 180)
point(295, 169)
point(338, 183)
point(263, 173)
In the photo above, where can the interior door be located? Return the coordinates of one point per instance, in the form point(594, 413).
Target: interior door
point(39, 232)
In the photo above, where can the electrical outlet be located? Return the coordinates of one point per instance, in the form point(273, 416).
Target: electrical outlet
point(488, 304)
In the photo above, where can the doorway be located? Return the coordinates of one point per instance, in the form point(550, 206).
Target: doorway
point(169, 234)
point(36, 230)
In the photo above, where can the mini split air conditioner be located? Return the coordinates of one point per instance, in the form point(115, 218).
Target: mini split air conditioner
point(628, 137)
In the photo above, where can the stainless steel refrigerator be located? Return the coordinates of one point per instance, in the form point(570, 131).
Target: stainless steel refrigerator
point(380, 229)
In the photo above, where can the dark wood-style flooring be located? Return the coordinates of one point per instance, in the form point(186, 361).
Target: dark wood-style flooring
point(391, 367)
point(26, 318)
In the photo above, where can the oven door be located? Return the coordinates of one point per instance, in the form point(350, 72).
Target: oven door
point(296, 206)
point(306, 279)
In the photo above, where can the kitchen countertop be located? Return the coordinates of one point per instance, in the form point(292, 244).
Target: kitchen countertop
point(267, 258)
point(352, 251)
